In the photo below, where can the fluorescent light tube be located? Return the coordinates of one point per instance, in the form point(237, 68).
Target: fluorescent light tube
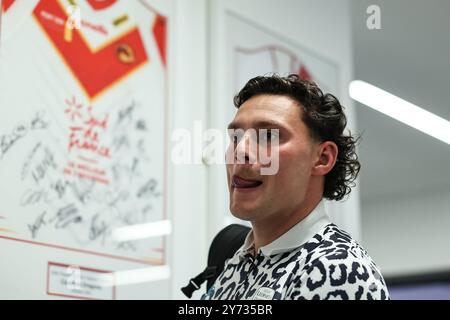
point(400, 110)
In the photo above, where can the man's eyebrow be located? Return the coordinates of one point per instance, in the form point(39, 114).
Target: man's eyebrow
point(232, 125)
point(269, 124)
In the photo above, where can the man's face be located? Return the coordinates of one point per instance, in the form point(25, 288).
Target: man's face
point(256, 197)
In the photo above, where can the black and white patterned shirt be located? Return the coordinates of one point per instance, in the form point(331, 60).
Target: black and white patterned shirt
point(313, 260)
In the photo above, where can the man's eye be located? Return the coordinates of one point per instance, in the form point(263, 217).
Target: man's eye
point(268, 134)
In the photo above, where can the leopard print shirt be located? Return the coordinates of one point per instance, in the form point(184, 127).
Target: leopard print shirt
point(330, 265)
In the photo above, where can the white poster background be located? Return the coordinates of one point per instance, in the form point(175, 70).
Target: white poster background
point(47, 215)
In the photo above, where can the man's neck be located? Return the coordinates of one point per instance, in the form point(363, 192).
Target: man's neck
point(268, 230)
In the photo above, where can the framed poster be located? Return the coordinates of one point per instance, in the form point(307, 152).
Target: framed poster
point(83, 133)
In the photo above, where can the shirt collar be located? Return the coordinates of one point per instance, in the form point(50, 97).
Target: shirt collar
point(294, 237)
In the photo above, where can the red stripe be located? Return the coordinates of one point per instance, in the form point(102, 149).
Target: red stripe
point(7, 4)
point(304, 73)
point(81, 251)
point(159, 33)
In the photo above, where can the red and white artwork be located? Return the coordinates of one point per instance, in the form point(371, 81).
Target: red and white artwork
point(83, 126)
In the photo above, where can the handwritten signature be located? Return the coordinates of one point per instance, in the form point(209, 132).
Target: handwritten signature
point(35, 196)
point(64, 217)
point(7, 141)
point(125, 115)
point(40, 167)
point(98, 228)
point(40, 221)
point(29, 158)
point(148, 189)
point(79, 203)
point(67, 215)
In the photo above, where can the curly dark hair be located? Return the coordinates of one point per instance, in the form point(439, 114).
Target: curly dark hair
point(325, 119)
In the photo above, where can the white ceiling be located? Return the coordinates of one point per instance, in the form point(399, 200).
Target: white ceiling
point(409, 57)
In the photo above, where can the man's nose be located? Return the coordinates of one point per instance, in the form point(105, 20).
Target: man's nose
point(245, 151)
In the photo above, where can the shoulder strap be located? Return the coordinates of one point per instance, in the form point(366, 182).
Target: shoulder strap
point(223, 247)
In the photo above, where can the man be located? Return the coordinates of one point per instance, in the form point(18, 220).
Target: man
point(293, 250)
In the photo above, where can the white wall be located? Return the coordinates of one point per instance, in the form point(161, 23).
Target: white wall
point(410, 233)
point(189, 185)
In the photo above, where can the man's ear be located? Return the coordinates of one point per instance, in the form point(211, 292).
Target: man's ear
point(326, 156)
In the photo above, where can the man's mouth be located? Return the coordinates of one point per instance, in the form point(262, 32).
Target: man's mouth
point(241, 183)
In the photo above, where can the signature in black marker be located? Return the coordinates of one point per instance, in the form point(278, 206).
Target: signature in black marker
point(38, 223)
point(67, 215)
point(148, 189)
point(7, 141)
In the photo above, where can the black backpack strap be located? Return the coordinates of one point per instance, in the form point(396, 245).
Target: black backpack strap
point(195, 283)
point(223, 247)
